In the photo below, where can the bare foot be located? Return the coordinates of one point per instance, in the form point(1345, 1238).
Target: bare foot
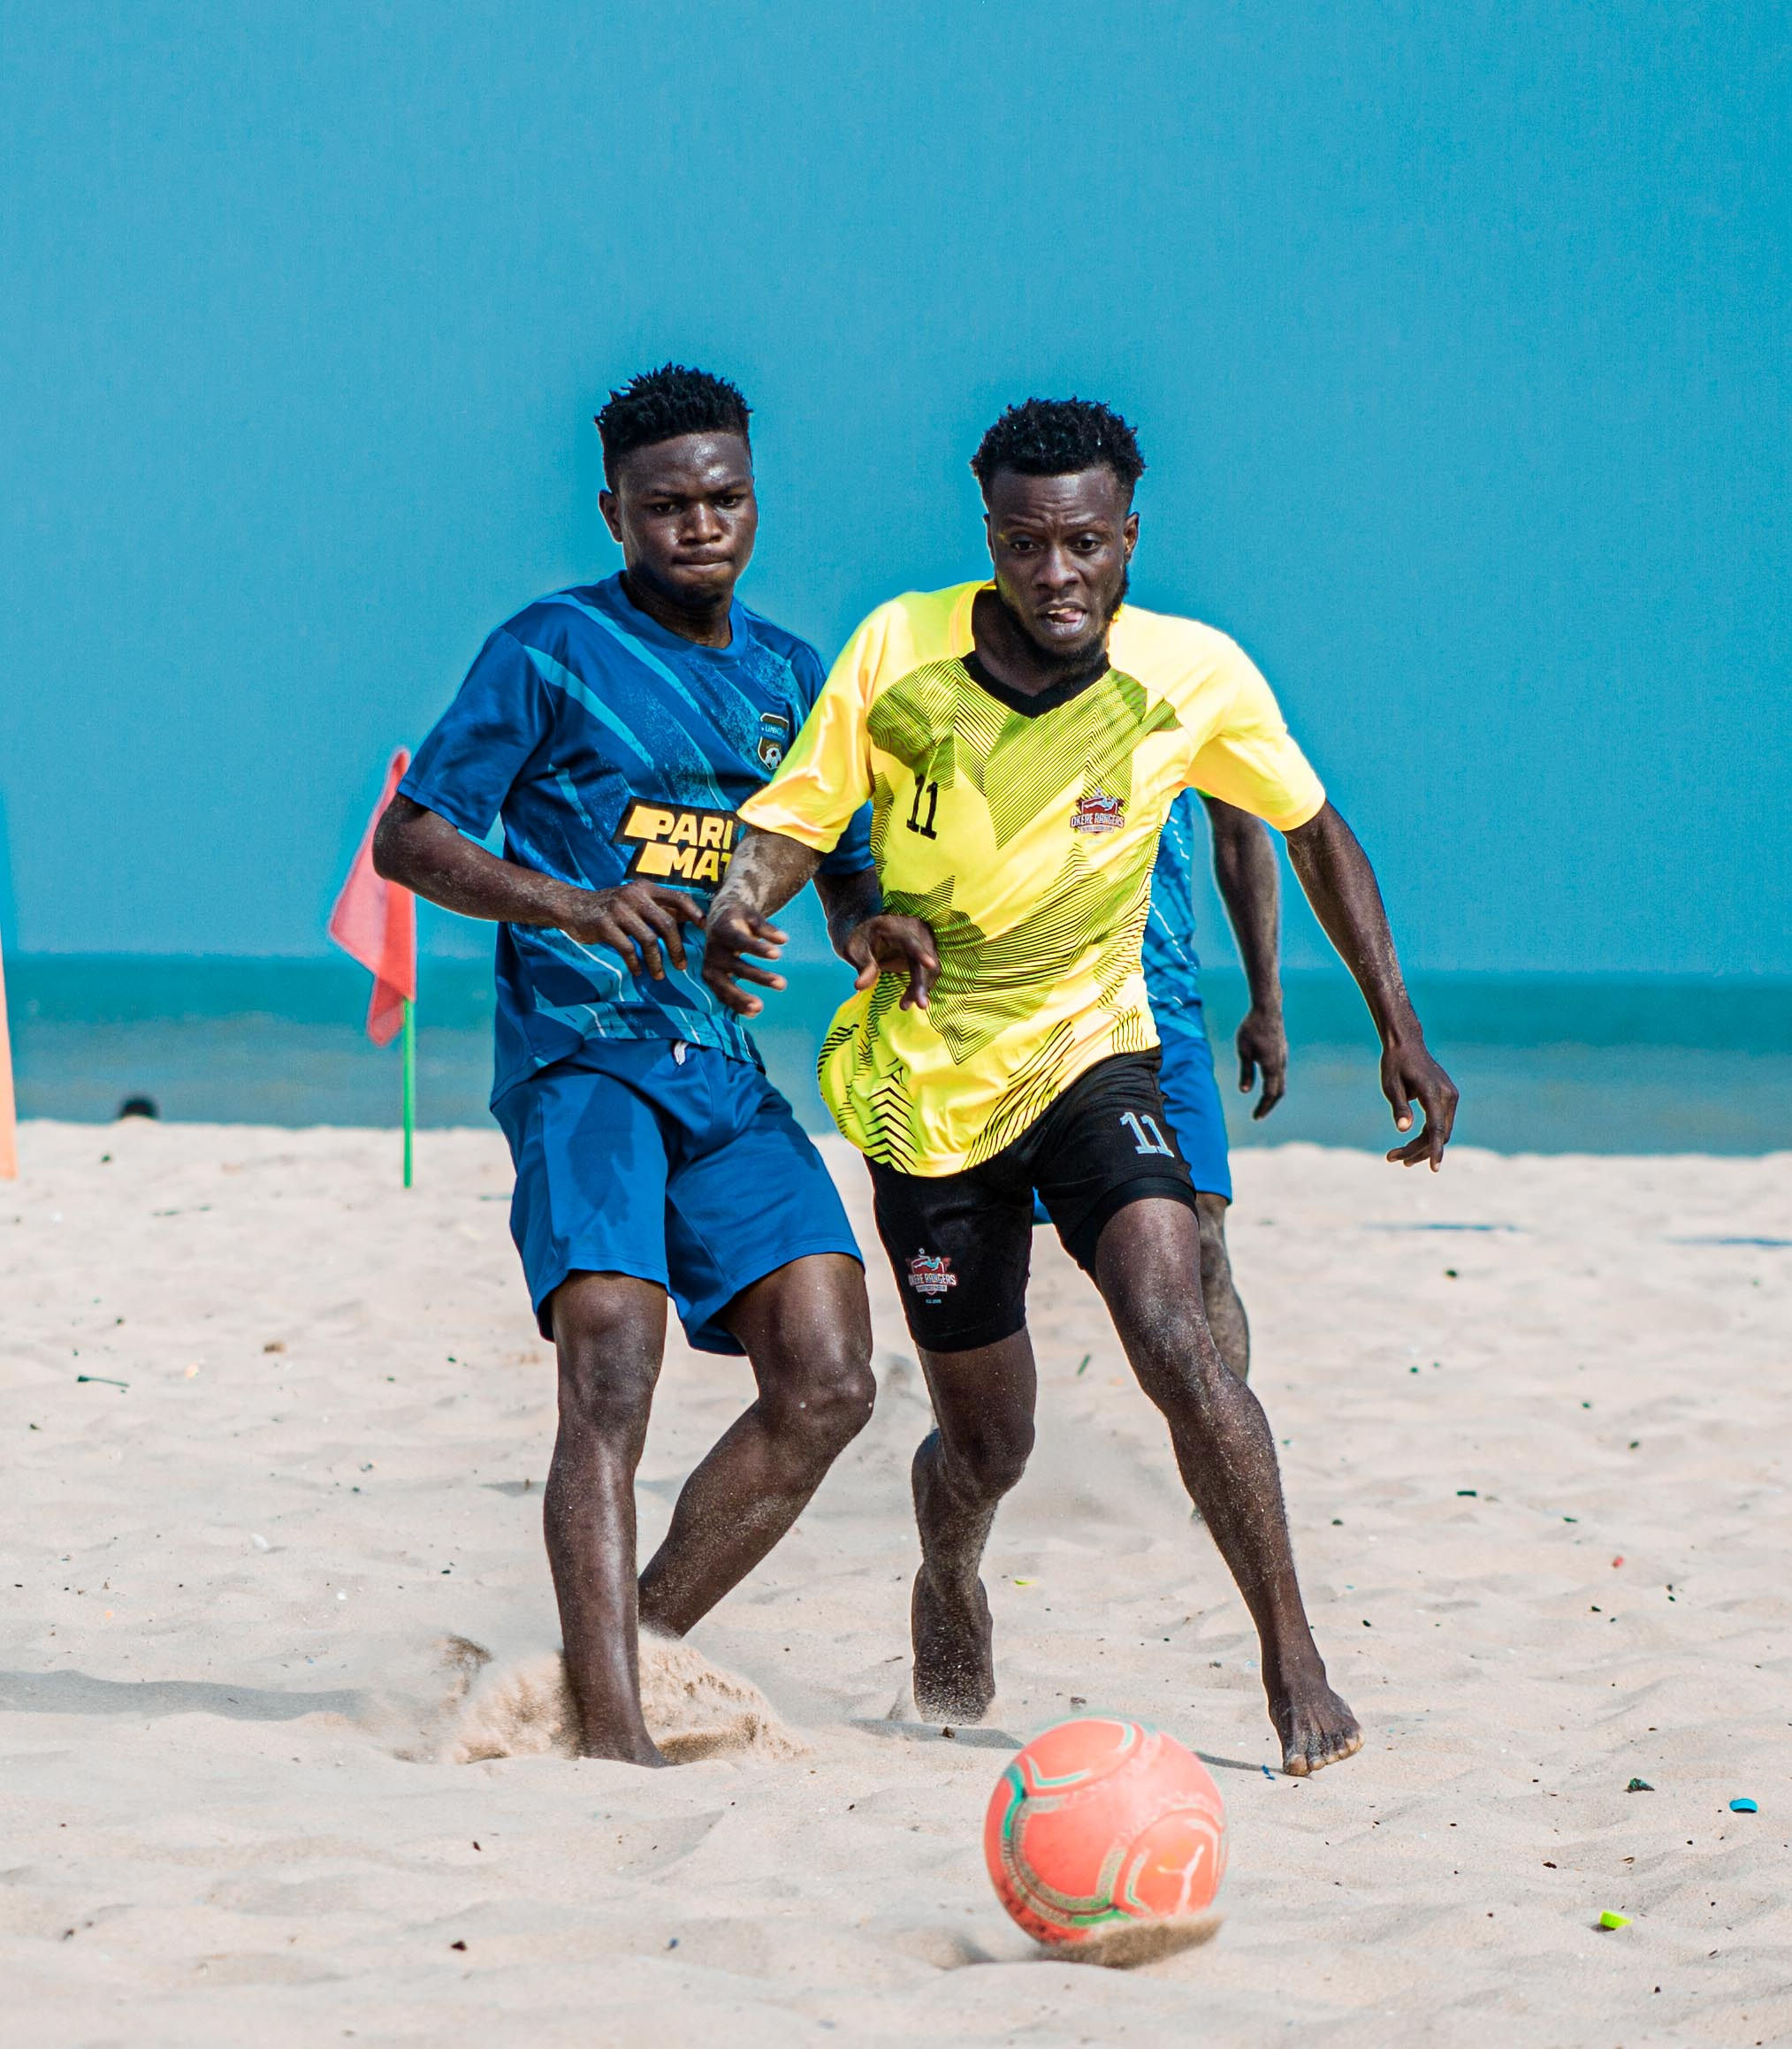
point(1315, 1728)
point(621, 1751)
point(955, 1662)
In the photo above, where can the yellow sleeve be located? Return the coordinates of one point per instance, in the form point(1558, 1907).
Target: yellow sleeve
point(825, 779)
point(1251, 758)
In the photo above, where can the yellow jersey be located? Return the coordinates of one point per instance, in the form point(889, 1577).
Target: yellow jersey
point(1023, 831)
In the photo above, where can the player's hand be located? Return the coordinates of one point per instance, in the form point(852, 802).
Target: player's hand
point(643, 921)
point(1409, 1075)
point(888, 944)
point(1263, 1044)
point(733, 940)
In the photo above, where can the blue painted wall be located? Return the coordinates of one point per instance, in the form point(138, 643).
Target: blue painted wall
point(1456, 339)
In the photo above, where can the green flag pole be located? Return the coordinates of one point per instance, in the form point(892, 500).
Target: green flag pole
point(410, 1083)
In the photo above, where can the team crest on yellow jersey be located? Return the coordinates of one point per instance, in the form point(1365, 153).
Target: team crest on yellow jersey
point(1098, 813)
point(677, 844)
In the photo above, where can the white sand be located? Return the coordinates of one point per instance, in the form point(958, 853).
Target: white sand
point(228, 1703)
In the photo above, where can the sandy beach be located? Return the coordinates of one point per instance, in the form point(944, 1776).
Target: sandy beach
point(278, 1712)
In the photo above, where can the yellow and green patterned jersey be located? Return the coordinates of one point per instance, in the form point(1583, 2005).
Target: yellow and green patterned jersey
point(1024, 832)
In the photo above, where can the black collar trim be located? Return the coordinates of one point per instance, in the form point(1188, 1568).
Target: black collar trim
point(1043, 701)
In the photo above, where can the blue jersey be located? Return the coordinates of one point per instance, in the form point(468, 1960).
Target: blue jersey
point(1172, 968)
point(612, 748)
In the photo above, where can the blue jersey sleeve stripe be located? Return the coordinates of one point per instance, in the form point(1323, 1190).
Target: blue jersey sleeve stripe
point(558, 677)
point(636, 648)
point(569, 790)
point(701, 734)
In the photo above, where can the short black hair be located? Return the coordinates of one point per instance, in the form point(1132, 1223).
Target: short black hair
point(661, 405)
point(1057, 438)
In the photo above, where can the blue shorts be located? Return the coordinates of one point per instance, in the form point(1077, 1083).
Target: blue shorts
point(1191, 1096)
point(672, 1162)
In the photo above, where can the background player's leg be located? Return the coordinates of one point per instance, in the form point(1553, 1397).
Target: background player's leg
point(807, 1331)
point(983, 1404)
point(609, 1332)
point(1192, 1104)
point(1225, 1313)
point(1144, 1261)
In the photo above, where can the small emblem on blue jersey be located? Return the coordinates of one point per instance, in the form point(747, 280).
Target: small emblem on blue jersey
point(677, 844)
point(775, 736)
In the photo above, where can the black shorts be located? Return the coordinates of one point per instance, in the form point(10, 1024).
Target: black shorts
point(960, 1243)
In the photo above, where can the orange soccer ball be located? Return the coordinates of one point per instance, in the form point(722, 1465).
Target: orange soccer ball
point(1102, 1821)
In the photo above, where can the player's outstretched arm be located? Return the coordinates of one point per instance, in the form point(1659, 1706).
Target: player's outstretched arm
point(1250, 886)
point(1341, 887)
point(877, 941)
point(642, 921)
point(847, 901)
point(891, 944)
point(766, 871)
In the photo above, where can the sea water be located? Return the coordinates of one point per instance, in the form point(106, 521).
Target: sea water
point(1545, 1063)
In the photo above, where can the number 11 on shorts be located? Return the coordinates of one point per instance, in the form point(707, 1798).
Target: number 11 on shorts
point(1145, 1130)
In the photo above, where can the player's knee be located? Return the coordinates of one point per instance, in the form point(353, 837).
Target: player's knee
point(992, 1459)
point(609, 1397)
point(1172, 1350)
point(832, 1401)
point(608, 1369)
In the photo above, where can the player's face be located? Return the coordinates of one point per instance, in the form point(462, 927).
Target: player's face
point(685, 515)
point(1060, 545)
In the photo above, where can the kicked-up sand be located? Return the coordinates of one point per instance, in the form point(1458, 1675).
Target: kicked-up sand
point(282, 1727)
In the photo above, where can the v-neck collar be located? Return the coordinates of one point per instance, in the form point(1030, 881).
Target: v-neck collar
point(1033, 706)
point(964, 637)
point(645, 628)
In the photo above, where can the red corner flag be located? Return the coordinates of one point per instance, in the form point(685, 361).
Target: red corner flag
point(376, 921)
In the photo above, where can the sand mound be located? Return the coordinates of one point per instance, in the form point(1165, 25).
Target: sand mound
point(1127, 1945)
point(693, 1710)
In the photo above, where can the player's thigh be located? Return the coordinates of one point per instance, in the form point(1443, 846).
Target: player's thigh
point(806, 1327)
point(752, 1202)
point(591, 1170)
point(1107, 1147)
point(1190, 1095)
point(960, 1246)
point(1148, 1259)
point(1148, 1267)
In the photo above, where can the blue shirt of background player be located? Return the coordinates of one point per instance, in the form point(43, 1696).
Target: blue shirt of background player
point(1172, 968)
point(609, 746)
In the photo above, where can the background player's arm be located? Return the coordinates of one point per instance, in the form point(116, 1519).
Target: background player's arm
point(1341, 887)
point(419, 849)
point(1249, 881)
point(766, 871)
point(847, 901)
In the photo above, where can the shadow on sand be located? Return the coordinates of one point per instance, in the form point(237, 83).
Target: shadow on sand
point(74, 1692)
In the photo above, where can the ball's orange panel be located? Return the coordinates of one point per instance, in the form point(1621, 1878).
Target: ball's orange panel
point(1099, 1820)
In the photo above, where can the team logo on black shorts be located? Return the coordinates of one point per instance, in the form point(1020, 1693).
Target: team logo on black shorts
point(930, 1274)
point(1098, 813)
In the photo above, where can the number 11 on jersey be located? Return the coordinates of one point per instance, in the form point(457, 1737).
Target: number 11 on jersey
point(930, 791)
